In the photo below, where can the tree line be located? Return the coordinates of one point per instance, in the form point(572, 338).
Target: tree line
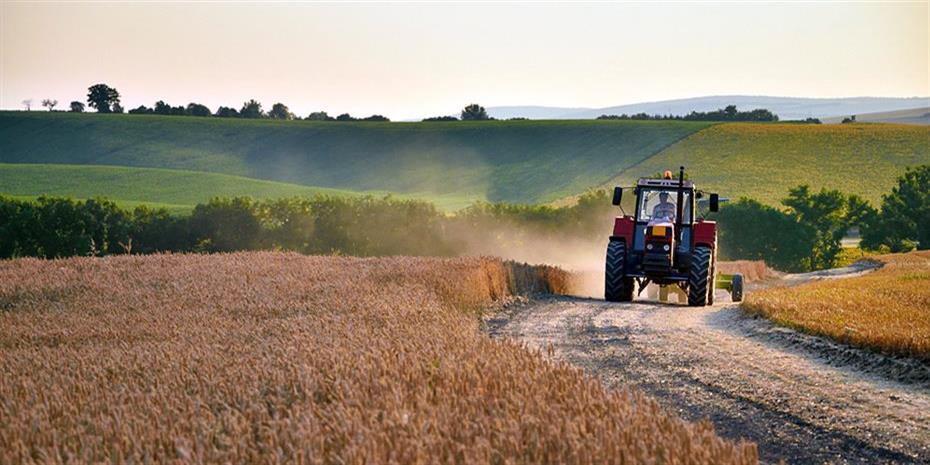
point(362, 226)
point(729, 113)
point(106, 99)
point(805, 235)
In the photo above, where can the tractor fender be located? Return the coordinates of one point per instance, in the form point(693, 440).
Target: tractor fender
point(705, 233)
point(623, 229)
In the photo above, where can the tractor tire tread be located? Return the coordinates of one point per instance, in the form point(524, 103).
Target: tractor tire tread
point(699, 276)
point(617, 287)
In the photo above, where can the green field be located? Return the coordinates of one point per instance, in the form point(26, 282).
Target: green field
point(180, 161)
point(124, 204)
point(172, 189)
point(762, 161)
point(516, 161)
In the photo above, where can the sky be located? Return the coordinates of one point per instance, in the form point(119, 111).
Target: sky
point(411, 60)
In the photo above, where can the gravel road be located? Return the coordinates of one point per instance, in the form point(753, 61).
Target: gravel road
point(802, 399)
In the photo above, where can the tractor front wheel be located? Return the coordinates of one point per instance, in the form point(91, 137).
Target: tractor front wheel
point(700, 280)
point(617, 286)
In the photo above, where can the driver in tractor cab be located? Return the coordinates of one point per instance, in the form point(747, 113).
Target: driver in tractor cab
point(664, 210)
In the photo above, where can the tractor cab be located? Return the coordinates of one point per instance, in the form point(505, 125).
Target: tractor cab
point(658, 233)
point(663, 242)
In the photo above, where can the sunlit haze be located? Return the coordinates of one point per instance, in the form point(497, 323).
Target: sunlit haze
point(411, 60)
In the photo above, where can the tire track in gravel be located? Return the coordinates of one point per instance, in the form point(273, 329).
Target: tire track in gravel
point(802, 399)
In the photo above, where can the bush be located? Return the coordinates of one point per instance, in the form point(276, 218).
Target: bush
point(905, 219)
point(225, 225)
point(749, 230)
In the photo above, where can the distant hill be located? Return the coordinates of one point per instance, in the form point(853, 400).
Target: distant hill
point(451, 163)
point(536, 112)
point(787, 108)
point(912, 116)
point(762, 161)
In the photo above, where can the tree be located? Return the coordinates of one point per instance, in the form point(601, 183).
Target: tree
point(77, 107)
point(376, 118)
point(162, 108)
point(50, 104)
point(251, 109)
point(440, 118)
point(474, 112)
point(117, 108)
point(280, 111)
point(28, 104)
point(101, 97)
point(319, 116)
point(904, 222)
point(196, 109)
point(851, 119)
point(159, 231)
point(831, 214)
point(225, 225)
point(64, 229)
point(227, 112)
point(730, 112)
point(750, 230)
point(141, 110)
point(345, 117)
point(18, 228)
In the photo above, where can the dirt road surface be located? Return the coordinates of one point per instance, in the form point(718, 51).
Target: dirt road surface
point(801, 398)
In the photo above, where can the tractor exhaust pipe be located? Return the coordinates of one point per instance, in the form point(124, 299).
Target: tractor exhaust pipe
point(681, 198)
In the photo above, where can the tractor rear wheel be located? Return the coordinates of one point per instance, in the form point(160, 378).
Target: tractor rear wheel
point(700, 280)
point(617, 286)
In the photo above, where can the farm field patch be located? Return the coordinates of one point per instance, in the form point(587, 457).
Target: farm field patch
point(273, 357)
point(513, 161)
point(886, 310)
point(763, 160)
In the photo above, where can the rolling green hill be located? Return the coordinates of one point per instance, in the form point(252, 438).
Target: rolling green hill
point(451, 164)
point(454, 163)
point(176, 190)
point(762, 161)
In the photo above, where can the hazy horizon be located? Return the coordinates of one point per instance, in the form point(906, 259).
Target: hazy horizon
point(414, 60)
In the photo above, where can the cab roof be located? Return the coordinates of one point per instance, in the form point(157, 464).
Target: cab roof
point(666, 183)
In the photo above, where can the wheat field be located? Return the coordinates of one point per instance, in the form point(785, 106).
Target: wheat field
point(886, 310)
point(281, 358)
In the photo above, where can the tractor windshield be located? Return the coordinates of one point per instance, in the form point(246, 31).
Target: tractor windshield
point(660, 205)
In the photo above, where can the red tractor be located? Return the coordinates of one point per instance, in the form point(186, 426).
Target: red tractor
point(665, 244)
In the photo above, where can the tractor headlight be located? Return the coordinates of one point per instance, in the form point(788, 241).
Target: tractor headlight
point(666, 247)
point(648, 246)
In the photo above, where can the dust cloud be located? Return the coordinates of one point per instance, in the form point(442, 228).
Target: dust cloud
point(583, 257)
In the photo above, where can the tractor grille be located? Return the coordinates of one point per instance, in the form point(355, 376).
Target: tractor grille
point(657, 262)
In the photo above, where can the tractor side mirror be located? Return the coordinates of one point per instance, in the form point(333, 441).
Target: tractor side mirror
point(714, 202)
point(618, 195)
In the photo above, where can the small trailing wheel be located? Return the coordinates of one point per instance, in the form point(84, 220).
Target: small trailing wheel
point(736, 294)
point(617, 286)
point(700, 279)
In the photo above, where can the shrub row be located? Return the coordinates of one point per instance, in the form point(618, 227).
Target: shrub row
point(805, 235)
